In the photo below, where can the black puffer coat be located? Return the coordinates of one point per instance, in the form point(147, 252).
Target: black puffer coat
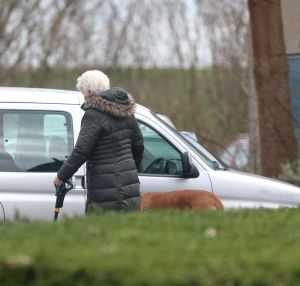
point(111, 143)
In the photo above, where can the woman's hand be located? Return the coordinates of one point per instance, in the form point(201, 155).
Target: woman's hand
point(57, 181)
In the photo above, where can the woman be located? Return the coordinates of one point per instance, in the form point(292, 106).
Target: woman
point(111, 143)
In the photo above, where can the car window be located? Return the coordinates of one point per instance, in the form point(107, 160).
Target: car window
point(228, 155)
point(34, 141)
point(207, 157)
point(241, 158)
point(160, 157)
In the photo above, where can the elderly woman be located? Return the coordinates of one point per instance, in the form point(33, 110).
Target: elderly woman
point(111, 144)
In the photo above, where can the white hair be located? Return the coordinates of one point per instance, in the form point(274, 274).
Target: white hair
point(94, 81)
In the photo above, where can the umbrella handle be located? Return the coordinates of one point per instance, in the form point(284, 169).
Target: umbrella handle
point(60, 194)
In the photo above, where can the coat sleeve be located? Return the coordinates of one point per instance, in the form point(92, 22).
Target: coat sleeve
point(86, 141)
point(137, 143)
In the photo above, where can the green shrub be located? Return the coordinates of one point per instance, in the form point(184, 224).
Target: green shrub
point(249, 247)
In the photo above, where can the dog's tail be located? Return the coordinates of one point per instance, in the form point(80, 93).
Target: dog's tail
point(217, 202)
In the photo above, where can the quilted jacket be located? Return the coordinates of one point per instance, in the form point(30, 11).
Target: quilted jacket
point(111, 144)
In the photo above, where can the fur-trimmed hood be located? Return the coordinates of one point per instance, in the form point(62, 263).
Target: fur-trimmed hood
point(115, 101)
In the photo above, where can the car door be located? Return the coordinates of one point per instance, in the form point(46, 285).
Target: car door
point(33, 145)
point(161, 166)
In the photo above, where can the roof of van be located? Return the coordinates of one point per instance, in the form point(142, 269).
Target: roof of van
point(39, 95)
point(42, 95)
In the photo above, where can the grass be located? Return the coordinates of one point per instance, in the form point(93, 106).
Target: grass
point(247, 247)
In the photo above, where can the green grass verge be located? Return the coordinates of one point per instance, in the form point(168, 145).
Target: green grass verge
point(248, 247)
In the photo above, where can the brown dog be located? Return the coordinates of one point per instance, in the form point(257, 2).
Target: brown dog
point(181, 199)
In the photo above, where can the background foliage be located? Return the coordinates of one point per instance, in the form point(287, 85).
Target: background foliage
point(186, 59)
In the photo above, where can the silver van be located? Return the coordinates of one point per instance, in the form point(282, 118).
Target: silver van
point(38, 129)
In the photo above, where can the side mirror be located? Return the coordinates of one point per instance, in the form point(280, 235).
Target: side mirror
point(188, 168)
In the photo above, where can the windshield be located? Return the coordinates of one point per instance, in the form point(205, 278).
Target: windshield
point(210, 159)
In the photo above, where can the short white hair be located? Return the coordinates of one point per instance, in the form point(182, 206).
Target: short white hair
point(95, 81)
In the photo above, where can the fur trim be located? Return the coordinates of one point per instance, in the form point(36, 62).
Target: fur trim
point(111, 107)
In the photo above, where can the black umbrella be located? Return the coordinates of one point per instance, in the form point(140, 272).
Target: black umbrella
point(60, 194)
